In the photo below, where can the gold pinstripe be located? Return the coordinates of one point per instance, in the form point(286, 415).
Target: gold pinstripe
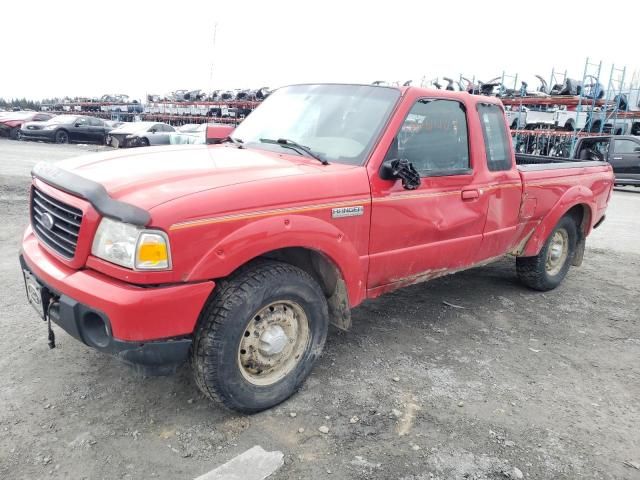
point(409, 196)
point(562, 179)
point(321, 206)
point(266, 213)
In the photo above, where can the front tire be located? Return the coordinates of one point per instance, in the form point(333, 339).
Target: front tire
point(546, 270)
point(15, 134)
point(62, 136)
point(259, 336)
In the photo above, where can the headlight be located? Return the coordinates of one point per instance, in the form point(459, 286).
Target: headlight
point(130, 246)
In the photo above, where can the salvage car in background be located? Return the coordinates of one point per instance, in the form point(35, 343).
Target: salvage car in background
point(140, 134)
point(11, 122)
point(190, 134)
point(66, 129)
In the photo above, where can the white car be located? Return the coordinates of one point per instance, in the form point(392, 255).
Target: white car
point(190, 134)
point(140, 134)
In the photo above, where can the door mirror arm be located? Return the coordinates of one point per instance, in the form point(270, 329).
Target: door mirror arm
point(403, 169)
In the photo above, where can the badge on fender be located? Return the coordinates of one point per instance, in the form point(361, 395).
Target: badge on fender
point(342, 212)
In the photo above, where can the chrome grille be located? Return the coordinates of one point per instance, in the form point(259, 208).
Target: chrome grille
point(56, 224)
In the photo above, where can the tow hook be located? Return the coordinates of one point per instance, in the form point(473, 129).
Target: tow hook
point(53, 310)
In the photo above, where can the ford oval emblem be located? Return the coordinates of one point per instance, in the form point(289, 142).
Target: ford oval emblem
point(47, 221)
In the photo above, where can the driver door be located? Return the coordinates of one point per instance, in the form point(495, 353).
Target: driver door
point(97, 130)
point(417, 234)
point(79, 131)
point(625, 159)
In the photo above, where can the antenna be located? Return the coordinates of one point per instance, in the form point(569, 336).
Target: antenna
point(213, 55)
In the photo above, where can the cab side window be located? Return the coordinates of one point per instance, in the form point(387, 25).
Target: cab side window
point(434, 138)
point(496, 142)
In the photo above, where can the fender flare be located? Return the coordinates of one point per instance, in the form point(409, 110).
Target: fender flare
point(577, 195)
point(274, 233)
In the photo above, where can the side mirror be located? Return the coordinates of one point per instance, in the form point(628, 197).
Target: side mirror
point(153, 130)
point(77, 124)
point(403, 169)
point(637, 149)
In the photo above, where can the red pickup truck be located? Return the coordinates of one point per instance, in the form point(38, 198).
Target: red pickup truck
point(237, 256)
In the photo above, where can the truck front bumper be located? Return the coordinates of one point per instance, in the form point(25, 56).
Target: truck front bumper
point(150, 327)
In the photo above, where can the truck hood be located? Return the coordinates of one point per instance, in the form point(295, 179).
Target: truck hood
point(151, 176)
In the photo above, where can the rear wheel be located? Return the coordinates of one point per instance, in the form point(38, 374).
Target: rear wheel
point(259, 336)
point(14, 133)
point(546, 270)
point(62, 136)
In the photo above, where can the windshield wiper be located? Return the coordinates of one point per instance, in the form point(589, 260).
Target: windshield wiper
point(235, 141)
point(286, 143)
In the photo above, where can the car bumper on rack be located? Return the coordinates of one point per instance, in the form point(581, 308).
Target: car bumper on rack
point(149, 327)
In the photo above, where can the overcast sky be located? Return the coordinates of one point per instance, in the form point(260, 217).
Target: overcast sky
point(88, 48)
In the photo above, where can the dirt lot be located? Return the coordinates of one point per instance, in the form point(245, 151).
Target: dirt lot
point(547, 383)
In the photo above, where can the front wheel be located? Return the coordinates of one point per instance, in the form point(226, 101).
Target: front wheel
point(259, 336)
point(62, 136)
point(546, 270)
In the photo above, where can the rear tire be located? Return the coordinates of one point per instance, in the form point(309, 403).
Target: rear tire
point(546, 270)
point(259, 336)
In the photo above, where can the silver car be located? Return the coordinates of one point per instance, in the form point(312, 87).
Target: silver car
point(140, 134)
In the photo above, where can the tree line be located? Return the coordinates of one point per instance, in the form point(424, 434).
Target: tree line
point(24, 104)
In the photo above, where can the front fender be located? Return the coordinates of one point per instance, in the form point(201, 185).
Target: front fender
point(268, 234)
point(577, 195)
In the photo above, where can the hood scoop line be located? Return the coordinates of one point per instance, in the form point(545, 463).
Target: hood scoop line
point(91, 191)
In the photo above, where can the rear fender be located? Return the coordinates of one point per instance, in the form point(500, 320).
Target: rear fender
point(578, 195)
point(269, 234)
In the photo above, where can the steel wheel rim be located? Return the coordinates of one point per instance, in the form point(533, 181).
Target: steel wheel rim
point(273, 343)
point(62, 137)
point(557, 252)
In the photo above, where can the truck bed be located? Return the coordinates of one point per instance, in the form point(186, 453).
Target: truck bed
point(527, 162)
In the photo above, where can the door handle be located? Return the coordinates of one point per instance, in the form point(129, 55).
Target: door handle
point(470, 195)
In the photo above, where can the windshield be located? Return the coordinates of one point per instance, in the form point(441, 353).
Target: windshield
point(338, 122)
point(18, 115)
point(135, 126)
point(191, 127)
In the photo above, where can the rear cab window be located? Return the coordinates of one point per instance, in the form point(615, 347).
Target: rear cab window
point(496, 141)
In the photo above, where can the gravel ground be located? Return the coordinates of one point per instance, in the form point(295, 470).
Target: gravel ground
point(547, 384)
